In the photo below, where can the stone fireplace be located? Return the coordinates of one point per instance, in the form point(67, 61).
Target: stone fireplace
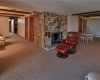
point(49, 28)
point(54, 30)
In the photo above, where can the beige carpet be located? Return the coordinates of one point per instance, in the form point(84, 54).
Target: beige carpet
point(22, 60)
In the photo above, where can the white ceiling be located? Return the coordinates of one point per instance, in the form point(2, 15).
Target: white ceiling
point(56, 6)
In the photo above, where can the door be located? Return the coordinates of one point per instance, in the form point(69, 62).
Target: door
point(80, 25)
point(26, 27)
point(32, 28)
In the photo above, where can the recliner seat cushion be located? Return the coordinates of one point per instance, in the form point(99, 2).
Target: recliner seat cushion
point(62, 48)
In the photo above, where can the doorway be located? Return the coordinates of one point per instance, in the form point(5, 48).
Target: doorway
point(29, 28)
point(13, 25)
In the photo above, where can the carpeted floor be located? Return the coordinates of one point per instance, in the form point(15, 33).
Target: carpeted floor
point(22, 60)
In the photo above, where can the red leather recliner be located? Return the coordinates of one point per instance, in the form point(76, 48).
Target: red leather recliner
point(67, 45)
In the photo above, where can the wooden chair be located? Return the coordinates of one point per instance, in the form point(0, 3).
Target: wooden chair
point(82, 38)
point(90, 37)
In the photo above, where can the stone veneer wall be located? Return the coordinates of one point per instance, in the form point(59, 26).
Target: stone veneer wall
point(42, 21)
point(49, 27)
point(38, 29)
point(49, 17)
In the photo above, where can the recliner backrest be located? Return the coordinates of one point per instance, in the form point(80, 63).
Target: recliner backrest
point(72, 34)
point(72, 37)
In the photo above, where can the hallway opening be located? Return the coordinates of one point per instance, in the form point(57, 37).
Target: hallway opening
point(13, 25)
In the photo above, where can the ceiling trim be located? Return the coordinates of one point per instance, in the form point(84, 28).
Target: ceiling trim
point(15, 11)
point(12, 14)
point(9, 16)
point(92, 12)
point(89, 14)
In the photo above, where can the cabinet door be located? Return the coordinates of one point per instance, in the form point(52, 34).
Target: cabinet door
point(32, 28)
point(26, 27)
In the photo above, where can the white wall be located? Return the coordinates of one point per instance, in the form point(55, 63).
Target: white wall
point(72, 23)
point(4, 26)
point(21, 26)
point(94, 26)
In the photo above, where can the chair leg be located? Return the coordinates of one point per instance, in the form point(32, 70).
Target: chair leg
point(87, 41)
point(82, 40)
point(93, 40)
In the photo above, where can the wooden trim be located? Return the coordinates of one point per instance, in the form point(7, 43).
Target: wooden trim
point(9, 16)
point(12, 14)
point(15, 11)
point(7, 37)
point(90, 15)
point(87, 12)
